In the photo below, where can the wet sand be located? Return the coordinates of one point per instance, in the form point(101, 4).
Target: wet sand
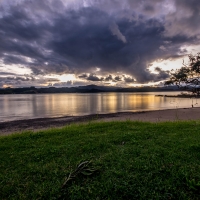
point(180, 114)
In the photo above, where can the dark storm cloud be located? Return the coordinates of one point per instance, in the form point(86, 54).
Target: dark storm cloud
point(129, 80)
point(18, 78)
point(13, 81)
point(185, 18)
point(118, 78)
point(23, 81)
point(123, 78)
point(93, 77)
point(6, 73)
point(162, 74)
point(108, 78)
point(56, 37)
point(92, 43)
point(83, 76)
point(10, 59)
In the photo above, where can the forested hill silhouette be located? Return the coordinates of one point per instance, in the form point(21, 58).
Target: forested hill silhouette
point(83, 89)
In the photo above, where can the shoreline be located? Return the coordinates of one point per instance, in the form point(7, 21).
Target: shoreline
point(179, 96)
point(179, 114)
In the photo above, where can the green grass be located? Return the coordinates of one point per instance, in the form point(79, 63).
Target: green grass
point(134, 160)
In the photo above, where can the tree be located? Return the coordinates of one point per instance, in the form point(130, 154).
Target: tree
point(188, 76)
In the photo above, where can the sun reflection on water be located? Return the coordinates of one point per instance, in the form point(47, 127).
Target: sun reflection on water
point(54, 105)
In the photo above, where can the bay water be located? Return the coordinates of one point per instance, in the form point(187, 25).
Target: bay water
point(28, 106)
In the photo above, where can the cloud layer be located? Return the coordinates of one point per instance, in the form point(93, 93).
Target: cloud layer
point(119, 38)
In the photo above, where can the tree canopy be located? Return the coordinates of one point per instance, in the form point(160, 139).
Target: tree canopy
point(188, 76)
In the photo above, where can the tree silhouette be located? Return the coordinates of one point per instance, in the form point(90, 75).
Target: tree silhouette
point(188, 76)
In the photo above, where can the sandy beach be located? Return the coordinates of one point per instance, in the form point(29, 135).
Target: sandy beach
point(180, 114)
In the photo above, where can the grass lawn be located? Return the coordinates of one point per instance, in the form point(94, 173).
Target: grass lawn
point(134, 160)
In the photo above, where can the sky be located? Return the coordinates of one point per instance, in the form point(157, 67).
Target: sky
point(65, 43)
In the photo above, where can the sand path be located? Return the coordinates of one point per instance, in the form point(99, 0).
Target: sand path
point(7, 128)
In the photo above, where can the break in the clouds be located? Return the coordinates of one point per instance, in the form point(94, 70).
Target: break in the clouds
point(103, 41)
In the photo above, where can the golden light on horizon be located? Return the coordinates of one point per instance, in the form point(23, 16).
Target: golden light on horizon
point(166, 65)
point(54, 78)
point(6, 86)
point(175, 63)
point(66, 77)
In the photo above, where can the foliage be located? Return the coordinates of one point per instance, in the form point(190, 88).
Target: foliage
point(187, 77)
point(82, 168)
point(135, 160)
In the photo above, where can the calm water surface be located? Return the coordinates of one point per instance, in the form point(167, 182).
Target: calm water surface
point(26, 106)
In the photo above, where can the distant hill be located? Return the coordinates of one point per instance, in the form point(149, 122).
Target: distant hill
point(103, 88)
point(84, 89)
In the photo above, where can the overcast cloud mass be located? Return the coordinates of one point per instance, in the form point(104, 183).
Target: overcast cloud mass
point(95, 41)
